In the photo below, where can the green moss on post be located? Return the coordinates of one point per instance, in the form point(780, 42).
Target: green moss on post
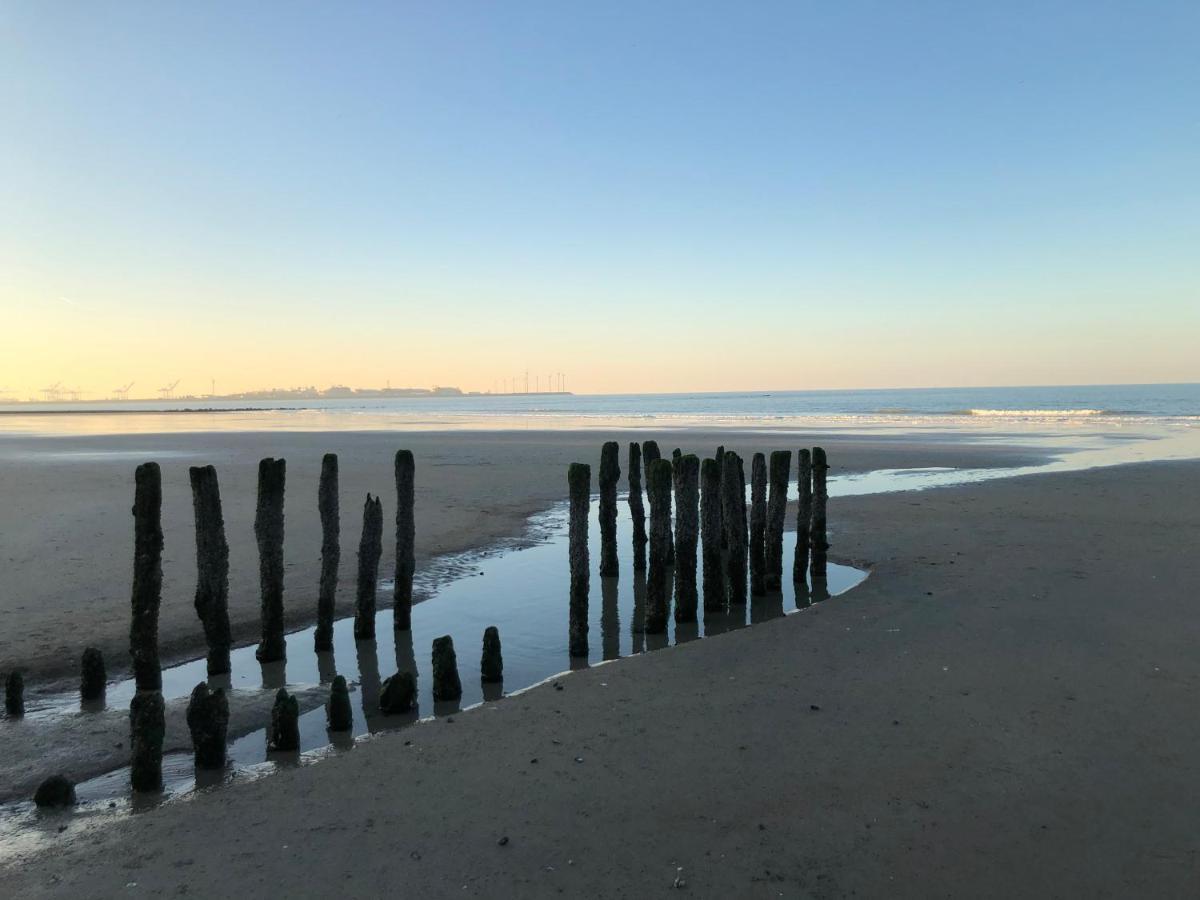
point(284, 736)
point(212, 567)
point(370, 548)
point(331, 552)
point(610, 474)
point(339, 715)
point(92, 677)
point(780, 470)
point(491, 664)
point(147, 727)
point(147, 577)
point(733, 514)
point(446, 683)
point(687, 532)
point(803, 516)
point(658, 479)
point(637, 510)
point(579, 481)
point(208, 722)
point(268, 533)
point(406, 537)
point(758, 524)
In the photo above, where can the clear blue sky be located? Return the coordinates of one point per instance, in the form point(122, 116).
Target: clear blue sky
point(802, 194)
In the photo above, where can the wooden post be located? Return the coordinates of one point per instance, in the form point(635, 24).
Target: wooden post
point(720, 458)
point(820, 537)
point(687, 527)
point(637, 511)
point(491, 663)
point(658, 478)
point(803, 516)
point(710, 536)
point(398, 694)
point(758, 524)
point(780, 470)
point(208, 721)
point(339, 715)
point(92, 678)
point(370, 548)
point(268, 532)
point(284, 736)
point(406, 534)
point(650, 453)
point(610, 473)
point(733, 512)
point(147, 727)
point(212, 567)
point(579, 484)
point(331, 552)
point(14, 695)
point(446, 684)
point(147, 577)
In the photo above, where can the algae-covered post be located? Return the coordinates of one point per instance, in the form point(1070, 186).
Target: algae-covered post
point(208, 721)
point(331, 552)
point(610, 473)
point(406, 534)
point(491, 664)
point(687, 527)
point(579, 484)
point(733, 513)
point(780, 469)
point(339, 715)
point(819, 537)
point(14, 695)
point(637, 511)
point(147, 727)
point(758, 524)
point(446, 683)
point(147, 576)
point(92, 677)
point(212, 567)
point(720, 459)
point(803, 515)
point(268, 532)
point(658, 481)
point(710, 535)
point(284, 736)
point(370, 548)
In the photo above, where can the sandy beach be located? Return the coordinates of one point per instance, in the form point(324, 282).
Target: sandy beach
point(1004, 708)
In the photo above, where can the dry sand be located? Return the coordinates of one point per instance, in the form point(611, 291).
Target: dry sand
point(1005, 708)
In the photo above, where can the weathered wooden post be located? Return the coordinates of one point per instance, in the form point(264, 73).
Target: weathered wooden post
point(637, 511)
point(92, 677)
point(803, 516)
point(579, 484)
point(710, 536)
point(339, 715)
point(212, 567)
point(758, 524)
point(819, 537)
point(147, 576)
point(331, 552)
point(650, 453)
point(610, 472)
point(284, 736)
point(658, 478)
point(780, 471)
point(268, 532)
point(14, 695)
point(370, 548)
point(147, 727)
point(687, 531)
point(733, 512)
point(491, 664)
point(446, 683)
point(398, 694)
point(406, 534)
point(208, 721)
point(720, 459)
point(55, 792)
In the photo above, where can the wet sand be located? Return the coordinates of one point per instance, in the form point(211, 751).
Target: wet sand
point(1005, 708)
point(66, 532)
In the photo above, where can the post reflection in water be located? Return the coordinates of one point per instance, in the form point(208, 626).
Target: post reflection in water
point(610, 619)
point(406, 656)
point(368, 674)
point(274, 675)
point(637, 621)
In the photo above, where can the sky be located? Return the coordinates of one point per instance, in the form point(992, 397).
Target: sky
point(667, 196)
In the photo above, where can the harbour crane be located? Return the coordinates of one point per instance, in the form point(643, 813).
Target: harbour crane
point(122, 393)
point(166, 392)
point(53, 393)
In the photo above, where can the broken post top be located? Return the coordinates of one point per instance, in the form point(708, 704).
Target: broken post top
point(610, 465)
point(579, 478)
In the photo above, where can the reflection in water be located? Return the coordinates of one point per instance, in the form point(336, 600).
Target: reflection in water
point(610, 619)
point(368, 674)
point(406, 656)
point(448, 707)
point(686, 631)
point(820, 590)
point(274, 675)
point(492, 690)
point(637, 619)
point(326, 667)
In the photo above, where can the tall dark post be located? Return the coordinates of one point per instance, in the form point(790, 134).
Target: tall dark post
point(710, 535)
point(331, 552)
point(370, 548)
point(406, 535)
point(610, 472)
point(14, 695)
point(446, 683)
point(676, 454)
point(650, 453)
point(212, 567)
point(92, 677)
point(720, 459)
point(780, 470)
point(733, 513)
point(268, 531)
point(579, 484)
point(758, 524)
point(147, 728)
point(687, 531)
point(658, 480)
point(491, 663)
point(637, 511)
point(208, 721)
point(820, 537)
point(803, 516)
point(339, 715)
point(147, 576)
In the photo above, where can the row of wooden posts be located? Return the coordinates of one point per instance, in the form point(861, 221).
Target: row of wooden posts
point(710, 507)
